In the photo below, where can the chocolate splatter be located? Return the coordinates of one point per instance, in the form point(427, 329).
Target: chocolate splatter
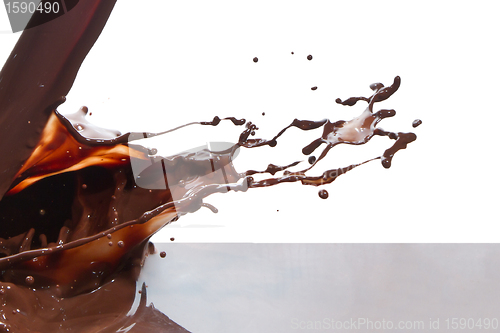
point(416, 123)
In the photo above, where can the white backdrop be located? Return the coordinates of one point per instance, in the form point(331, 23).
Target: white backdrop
point(160, 64)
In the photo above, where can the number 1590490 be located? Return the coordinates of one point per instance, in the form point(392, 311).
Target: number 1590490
point(30, 7)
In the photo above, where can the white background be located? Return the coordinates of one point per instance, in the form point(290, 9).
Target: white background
point(160, 64)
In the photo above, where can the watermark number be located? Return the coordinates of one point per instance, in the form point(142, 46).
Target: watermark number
point(23, 7)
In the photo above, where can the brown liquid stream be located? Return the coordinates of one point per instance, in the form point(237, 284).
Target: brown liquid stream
point(76, 217)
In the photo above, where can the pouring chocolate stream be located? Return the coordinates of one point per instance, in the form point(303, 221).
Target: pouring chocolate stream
point(89, 236)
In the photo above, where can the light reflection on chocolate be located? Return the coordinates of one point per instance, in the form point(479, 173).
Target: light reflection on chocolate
point(75, 223)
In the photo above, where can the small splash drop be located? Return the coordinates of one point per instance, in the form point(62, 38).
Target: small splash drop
point(30, 280)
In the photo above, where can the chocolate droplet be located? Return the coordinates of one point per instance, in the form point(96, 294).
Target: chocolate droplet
point(30, 280)
point(163, 254)
point(311, 159)
point(416, 123)
point(323, 194)
point(309, 57)
point(172, 239)
point(314, 88)
point(255, 59)
point(121, 244)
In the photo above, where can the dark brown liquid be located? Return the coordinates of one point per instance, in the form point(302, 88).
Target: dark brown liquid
point(255, 59)
point(416, 123)
point(73, 217)
point(314, 88)
point(323, 194)
point(309, 57)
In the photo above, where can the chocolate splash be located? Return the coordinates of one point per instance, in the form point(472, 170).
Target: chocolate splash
point(76, 215)
point(99, 192)
point(97, 221)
